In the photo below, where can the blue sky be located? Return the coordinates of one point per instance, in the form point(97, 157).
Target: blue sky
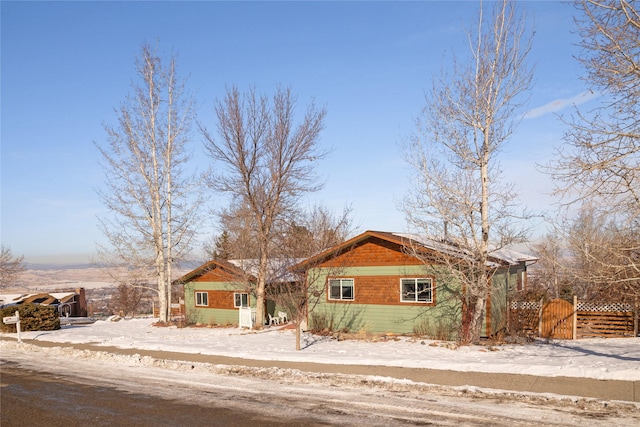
point(67, 65)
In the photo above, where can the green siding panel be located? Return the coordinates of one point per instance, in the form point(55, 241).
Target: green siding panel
point(212, 316)
point(374, 318)
point(208, 315)
point(380, 319)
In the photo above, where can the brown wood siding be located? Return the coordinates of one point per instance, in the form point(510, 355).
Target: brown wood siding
point(216, 275)
point(217, 299)
point(381, 290)
point(373, 252)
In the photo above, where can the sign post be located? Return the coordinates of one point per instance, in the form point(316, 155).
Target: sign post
point(10, 320)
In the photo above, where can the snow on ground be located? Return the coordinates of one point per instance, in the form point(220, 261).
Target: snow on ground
point(613, 358)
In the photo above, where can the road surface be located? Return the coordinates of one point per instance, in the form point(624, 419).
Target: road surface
point(69, 387)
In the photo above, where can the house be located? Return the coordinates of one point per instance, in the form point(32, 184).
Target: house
point(215, 291)
point(69, 304)
point(383, 282)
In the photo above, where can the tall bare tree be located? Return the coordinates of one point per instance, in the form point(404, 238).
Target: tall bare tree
point(152, 198)
point(601, 155)
point(598, 166)
point(10, 267)
point(300, 290)
point(469, 116)
point(241, 241)
point(269, 163)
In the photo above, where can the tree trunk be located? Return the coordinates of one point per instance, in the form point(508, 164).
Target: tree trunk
point(260, 286)
point(477, 317)
point(162, 287)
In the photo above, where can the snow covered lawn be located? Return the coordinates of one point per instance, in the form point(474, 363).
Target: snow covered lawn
point(615, 358)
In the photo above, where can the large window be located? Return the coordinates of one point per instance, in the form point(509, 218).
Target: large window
point(341, 289)
point(416, 290)
point(240, 299)
point(202, 299)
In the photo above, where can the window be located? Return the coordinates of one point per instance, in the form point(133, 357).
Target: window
point(202, 299)
point(416, 290)
point(240, 300)
point(341, 289)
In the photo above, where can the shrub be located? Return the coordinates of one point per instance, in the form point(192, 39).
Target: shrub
point(33, 317)
point(321, 323)
point(443, 329)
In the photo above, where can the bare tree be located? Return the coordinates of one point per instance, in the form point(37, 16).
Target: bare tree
point(153, 200)
point(598, 167)
point(601, 155)
point(127, 299)
point(300, 290)
point(269, 162)
point(240, 237)
point(550, 271)
point(591, 255)
point(10, 268)
point(468, 118)
point(602, 258)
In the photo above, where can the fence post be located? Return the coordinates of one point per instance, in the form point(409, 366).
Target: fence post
point(575, 317)
point(540, 317)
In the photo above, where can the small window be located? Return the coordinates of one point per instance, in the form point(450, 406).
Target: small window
point(202, 299)
point(240, 299)
point(416, 290)
point(341, 289)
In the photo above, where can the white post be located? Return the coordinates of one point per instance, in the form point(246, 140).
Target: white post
point(18, 326)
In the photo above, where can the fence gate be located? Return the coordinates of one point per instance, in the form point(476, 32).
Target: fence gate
point(557, 320)
point(247, 317)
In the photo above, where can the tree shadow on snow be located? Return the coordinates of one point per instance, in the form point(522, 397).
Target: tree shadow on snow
point(590, 352)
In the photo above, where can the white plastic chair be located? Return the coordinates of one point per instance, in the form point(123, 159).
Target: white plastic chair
point(273, 320)
point(282, 316)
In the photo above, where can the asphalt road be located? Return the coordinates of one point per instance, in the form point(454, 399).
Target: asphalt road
point(37, 398)
point(56, 389)
point(570, 386)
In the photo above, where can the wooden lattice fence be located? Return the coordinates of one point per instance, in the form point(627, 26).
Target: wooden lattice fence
point(606, 320)
point(586, 320)
point(524, 317)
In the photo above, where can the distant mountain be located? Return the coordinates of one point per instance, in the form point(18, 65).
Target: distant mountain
point(56, 266)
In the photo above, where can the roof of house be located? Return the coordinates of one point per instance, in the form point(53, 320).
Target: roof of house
point(211, 265)
point(42, 298)
point(247, 268)
point(498, 257)
point(281, 270)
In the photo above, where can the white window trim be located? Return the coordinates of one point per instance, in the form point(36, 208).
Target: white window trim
point(206, 294)
point(342, 279)
point(234, 299)
point(415, 282)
